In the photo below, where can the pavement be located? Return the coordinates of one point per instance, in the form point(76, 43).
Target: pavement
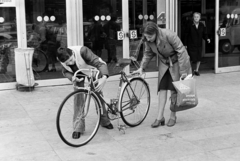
point(208, 132)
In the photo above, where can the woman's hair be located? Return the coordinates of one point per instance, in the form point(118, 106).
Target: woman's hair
point(63, 54)
point(150, 28)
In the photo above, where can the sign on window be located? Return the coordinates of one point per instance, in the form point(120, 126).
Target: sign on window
point(222, 31)
point(120, 35)
point(133, 34)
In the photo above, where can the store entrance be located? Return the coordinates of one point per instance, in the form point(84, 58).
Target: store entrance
point(186, 9)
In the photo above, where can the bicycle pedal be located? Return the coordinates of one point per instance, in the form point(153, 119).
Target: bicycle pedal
point(122, 127)
point(123, 131)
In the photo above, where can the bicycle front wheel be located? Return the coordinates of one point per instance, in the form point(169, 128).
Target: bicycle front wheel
point(80, 112)
point(40, 62)
point(135, 102)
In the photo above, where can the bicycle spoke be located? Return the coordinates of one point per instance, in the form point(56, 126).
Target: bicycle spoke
point(125, 105)
point(135, 102)
point(75, 114)
point(141, 94)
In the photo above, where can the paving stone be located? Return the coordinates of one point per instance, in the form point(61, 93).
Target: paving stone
point(208, 132)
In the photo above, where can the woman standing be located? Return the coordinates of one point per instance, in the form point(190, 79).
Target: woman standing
point(194, 34)
point(173, 63)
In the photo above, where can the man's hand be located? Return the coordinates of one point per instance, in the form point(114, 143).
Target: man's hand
point(101, 82)
point(75, 79)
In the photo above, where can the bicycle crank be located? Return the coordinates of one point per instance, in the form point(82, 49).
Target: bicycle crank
point(122, 128)
point(133, 103)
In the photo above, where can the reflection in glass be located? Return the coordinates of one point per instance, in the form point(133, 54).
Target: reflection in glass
point(229, 36)
point(8, 42)
point(1, 20)
point(46, 32)
point(140, 12)
point(102, 21)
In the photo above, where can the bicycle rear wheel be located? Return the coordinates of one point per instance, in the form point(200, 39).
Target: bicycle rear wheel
point(89, 122)
point(40, 61)
point(135, 102)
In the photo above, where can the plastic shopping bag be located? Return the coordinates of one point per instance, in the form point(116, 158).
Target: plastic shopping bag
point(186, 97)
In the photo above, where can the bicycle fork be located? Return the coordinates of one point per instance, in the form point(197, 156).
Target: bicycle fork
point(121, 128)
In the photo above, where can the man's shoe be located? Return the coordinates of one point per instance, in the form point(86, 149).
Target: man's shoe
point(196, 73)
point(76, 135)
point(110, 126)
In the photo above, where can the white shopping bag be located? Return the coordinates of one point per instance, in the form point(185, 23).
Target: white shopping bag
point(186, 95)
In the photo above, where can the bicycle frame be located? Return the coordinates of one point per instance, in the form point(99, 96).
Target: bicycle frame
point(124, 80)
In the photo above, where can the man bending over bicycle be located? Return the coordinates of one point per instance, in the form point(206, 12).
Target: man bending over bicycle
point(72, 59)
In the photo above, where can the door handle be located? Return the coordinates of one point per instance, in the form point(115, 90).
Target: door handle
point(127, 34)
point(218, 32)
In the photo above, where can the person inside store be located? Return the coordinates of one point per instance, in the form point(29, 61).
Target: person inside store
point(96, 36)
point(34, 37)
point(48, 42)
point(42, 30)
point(110, 29)
point(173, 65)
point(195, 32)
point(72, 59)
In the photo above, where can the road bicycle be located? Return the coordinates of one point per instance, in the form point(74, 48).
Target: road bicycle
point(40, 60)
point(131, 105)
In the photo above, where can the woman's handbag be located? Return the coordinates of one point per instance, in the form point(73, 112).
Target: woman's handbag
point(186, 97)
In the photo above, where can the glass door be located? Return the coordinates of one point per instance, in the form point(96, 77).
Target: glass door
point(228, 36)
point(8, 41)
point(102, 20)
point(46, 31)
point(141, 11)
point(185, 16)
point(112, 28)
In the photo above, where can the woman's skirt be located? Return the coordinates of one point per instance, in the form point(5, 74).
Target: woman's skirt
point(166, 82)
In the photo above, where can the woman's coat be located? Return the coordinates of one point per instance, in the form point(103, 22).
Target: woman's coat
point(193, 39)
point(166, 45)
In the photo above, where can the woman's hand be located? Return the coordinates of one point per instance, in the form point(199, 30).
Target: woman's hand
point(101, 82)
point(183, 76)
point(139, 71)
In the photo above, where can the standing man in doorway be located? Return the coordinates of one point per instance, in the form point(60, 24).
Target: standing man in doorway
point(110, 29)
point(194, 33)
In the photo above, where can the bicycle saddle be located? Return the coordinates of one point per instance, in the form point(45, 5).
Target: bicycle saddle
point(123, 62)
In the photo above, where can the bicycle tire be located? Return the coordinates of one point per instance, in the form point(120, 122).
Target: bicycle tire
point(130, 109)
point(65, 116)
point(40, 61)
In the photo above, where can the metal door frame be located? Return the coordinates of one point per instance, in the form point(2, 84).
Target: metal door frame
point(217, 68)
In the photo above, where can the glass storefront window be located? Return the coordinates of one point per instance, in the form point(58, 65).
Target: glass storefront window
point(102, 20)
point(8, 41)
point(229, 39)
point(46, 32)
point(139, 13)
